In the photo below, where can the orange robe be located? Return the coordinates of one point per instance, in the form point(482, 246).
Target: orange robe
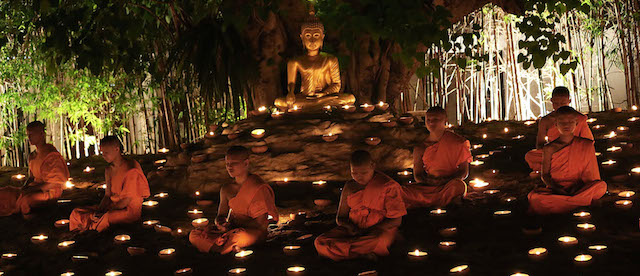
point(572, 165)
point(254, 199)
point(49, 170)
point(129, 182)
point(381, 198)
point(534, 157)
point(441, 159)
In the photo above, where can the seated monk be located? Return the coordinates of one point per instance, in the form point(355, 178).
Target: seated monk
point(369, 214)
point(49, 172)
point(245, 205)
point(126, 188)
point(440, 165)
point(547, 130)
point(569, 170)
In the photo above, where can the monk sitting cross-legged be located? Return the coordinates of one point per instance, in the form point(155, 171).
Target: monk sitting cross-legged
point(126, 189)
point(439, 165)
point(569, 170)
point(49, 172)
point(547, 130)
point(369, 214)
point(245, 205)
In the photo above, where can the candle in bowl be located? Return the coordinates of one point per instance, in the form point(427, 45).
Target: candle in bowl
point(530, 122)
point(591, 120)
point(150, 223)
point(257, 133)
point(626, 194)
point(405, 173)
point(88, 169)
point(162, 229)
point(61, 223)
point(329, 137)
point(502, 213)
point(482, 156)
point(195, 213)
point(586, 227)
point(624, 204)
point(567, 241)
point(179, 232)
point(18, 177)
point(582, 215)
point(476, 146)
point(518, 137)
point(242, 255)
point(319, 183)
point(609, 163)
point(382, 106)
point(491, 192)
point(476, 163)
point(510, 199)
point(519, 274)
point(183, 271)
point(373, 141)
point(113, 273)
point(150, 203)
point(163, 150)
point(368, 273)
point(614, 149)
point(622, 128)
point(304, 237)
point(291, 250)
point(348, 108)
point(447, 245)
point(484, 136)
point(417, 255)
point(460, 270)
point(160, 162)
point(200, 222)
point(166, 253)
point(9, 256)
point(367, 107)
point(582, 259)
point(120, 239)
point(478, 183)
point(161, 195)
point(79, 258)
point(438, 212)
point(538, 253)
point(633, 119)
point(135, 251)
point(295, 271)
point(327, 108)
point(68, 273)
point(611, 134)
point(506, 130)
point(598, 248)
point(237, 271)
point(65, 245)
point(448, 232)
point(277, 114)
point(39, 239)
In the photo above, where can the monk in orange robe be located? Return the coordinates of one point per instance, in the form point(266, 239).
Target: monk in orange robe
point(440, 165)
point(48, 172)
point(126, 188)
point(547, 130)
point(369, 214)
point(569, 170)
point(245, 206)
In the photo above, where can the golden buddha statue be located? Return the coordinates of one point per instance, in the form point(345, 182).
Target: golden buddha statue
point(319, 72)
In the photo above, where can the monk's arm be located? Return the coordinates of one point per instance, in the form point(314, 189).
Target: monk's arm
point(223, 207)
point(106, 200)
point(545, 175)
point(418, 167)
point(462, 172)
point(387, 223)
point(342, 217)
point(258, 225)
point(542, 133)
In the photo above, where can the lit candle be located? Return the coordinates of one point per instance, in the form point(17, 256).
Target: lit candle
point(120, 239)
point(624, 204)
point(197, 193)
point(276, 114)
point(530, 122)
point(161, 195)
point(39, 239)
point(68, 273)
point(166, 253)
point(634, 107)
point(79, 258)
point(65, 245)
point(304, 237)
point(484, 136)
point(447, 245)
point(88, 169)
point(476, 146)
point(179, 232)
point(510, 199)
point(61, 223)
point(162, 229)
point(291, 250)
point(348, 108)
point(609, 162)
point(163, 150)
point(195, 213)
point(160, 162)
point(614, 148)
point(9, 256)
point(448, 232)
point(68, 185)
point(600, 248)
point(113, 273)
point(478, 183)
point(319, 183)
point(237, 271)
point(183, 271)
point(262, 109)
point(582, 215)
point(18, 177)
point(373, 141)
point(519, 274)
point(243, 254)
point(327, 107)
point(538, 253)
point(567, 240)
point(295, 270)
point(460, 270)
point(622, 128)
point(633, 119)
point(417, 255)
point(257, 133)
point(582, 259)
point(367, 107)
point(598, 126)
point(330, 137)
point(636, 170)
point(502, 213)
point(200, 222)
point(150, 203)
point(149, 223)
point(506, 130)
point(591, 120)
point(586, 227)
point(491, 192)
point(382, 106)
point(482, 156)
point(519, 137)
point(626, 194)
point(611, 135)
point(404, 173)
point(438, 212)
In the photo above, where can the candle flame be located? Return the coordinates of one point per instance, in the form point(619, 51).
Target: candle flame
point(296, 269)
point(244, 253)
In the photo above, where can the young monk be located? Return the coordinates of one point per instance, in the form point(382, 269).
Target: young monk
point(369, 214)
point(547, 130)
point(243, 212)
point(126, 188)
point(48, 172)
point(440, 165)
point(569, 170)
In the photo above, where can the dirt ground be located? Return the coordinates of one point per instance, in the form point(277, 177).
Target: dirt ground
point(488, 244)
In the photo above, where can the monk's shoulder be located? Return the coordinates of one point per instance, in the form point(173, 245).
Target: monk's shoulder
point(131, 165)
point(582, 141)
point(455, 138)
point(255, 181)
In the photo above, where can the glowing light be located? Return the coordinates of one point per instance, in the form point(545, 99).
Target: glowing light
point(262, 109)
point(150, 222)
point(502, 213)
point(296, 269)
point(622, 128)
point(626, 194)
point(583, 258)
point(582, 214)
point(482, 156)
point(476, 146)
point(484, 136)
point(633, 119)
point(68, 185)
point(586, 226)
point(88, 169)
point(634, 107)
point(238, 270)
point(66, 244)
point(458, 269)
point(113, 273)
point(438, 211)
point(417, 253)
point(8, 256)
point(19, 176)
point(163, 150)
point(519, 137)
point(568, 240)
point(591, 120)
point(609, 162)
point(150, 203)
point(257, 133)
point(624, 203)
point(611, 135)
point(597, 247)
point(197, 193)
point(614, 148)
point(538, 251)
point(476, 163)
point(61, 222)
point(491, 192)
point(68, 273)
point(161, 195)
point(200, 222)
point(39, 238)
point(519, 274)
point(319, 182)
point(506, 130)
point(122, 238)
point(183, 271)
point(166, 252)
point(327, 107)
point(635, 170)
point(478, 183)
point(404, 173)
point(195, 212)
point(528, 123)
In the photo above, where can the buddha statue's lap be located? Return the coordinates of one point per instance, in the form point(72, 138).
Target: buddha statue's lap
point(319, 73)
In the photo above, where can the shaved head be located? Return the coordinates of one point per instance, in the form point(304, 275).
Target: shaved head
point(361, 158)
point(560, 91)
point(436, 110)
point(238, 151)
point(113, 141)
point(35, 125)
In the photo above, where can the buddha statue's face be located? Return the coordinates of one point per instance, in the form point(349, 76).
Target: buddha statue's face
point(312, 39)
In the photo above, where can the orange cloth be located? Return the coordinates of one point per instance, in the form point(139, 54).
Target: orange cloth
point(129, 182)
point(381, 198)
point(534, 157)
point(49, 170)
point(441, 159)
point(254, 199)
point(575, 164)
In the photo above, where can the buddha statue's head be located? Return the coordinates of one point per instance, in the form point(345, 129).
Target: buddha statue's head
point(312, 33)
